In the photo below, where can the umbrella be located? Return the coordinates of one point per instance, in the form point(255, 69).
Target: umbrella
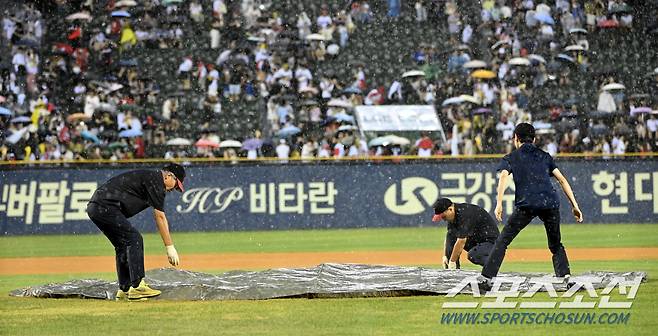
point(482, 110)
point(28, 43)
point(117, 144)
point(230, 144)
point(344, 117)
point(125, 3)
point(498, 44)
point(544, 17)
point(577, 31)
point(315, 37)
point(469, 98)
point(252, 144)
point(347, 128)
point(389, 140)
point(130, 133)
point(339, 103)
point(79, 16)
point(120, 13)
point(169, 2)
point(90, 136)
point(474, 64)
point(288, 131)
point(5, 111)
point(519, 61)
point(613, 86)
point(565, 58)
point(309, 102)
point(640, 110)
point(309, 89)
point(255, 39)
point(537, 58)
point(353, 90)
point(486, 74)
point(21, 119)
point(178, 142)
point(574, 47)
point(17, 135)
point(452, 100)
point(620, 8)
point(77, 117)
point(206, 143)
point(413, 73)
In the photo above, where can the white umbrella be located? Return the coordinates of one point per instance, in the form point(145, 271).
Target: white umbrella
point(613, 86)
point(347, 128)
point(475, 64)
point(470, 99)
point(389, 140)
point(17, 135)
point(79, 16)
point(537, 58)
point(413, 73)
point(125, 3)
point(339, 103)
point(574, 47)
point(315, 37)
point(453, 100)
point(498, 44)
point(519, 61)
point(577, 31)
point(178, 142)
point(230, 144)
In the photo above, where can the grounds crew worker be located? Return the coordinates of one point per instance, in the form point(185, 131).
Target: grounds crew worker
point(122, 197)
point(470, 229)
point(534, 196)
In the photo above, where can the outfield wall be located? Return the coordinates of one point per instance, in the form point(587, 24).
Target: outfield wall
point(268, 196)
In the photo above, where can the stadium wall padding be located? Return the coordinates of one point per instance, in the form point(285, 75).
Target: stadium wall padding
point(271, 196)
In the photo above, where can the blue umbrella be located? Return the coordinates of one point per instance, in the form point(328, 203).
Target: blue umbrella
point(28, 43)
point(544, 17)
point(252, 144)
point(90, 136)
point(21, 119)
point(344, 117)
point(120, 13)
point(5, 111)
point(563, 57)
point(131, 133)
point(16, 135)
point(288, 131)
point(352, 89)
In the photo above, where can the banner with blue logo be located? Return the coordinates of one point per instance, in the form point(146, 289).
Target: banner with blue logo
point(332, 195)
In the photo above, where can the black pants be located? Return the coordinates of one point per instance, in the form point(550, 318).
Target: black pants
point(127, 241)
point(517, 222)
point(477, 254)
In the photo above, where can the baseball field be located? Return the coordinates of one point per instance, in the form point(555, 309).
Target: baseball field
point(35, 260)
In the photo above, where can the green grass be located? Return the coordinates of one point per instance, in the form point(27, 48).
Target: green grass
point(372, 316)
point(619, 235)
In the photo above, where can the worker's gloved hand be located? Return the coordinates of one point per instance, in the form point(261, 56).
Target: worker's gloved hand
point(445, 262)
point(172, 255)
point(452, 265)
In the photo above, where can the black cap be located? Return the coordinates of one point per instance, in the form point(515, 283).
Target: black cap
point(441, 205)
point(179, 172)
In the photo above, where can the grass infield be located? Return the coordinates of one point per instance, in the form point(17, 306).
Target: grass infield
point(378, 316)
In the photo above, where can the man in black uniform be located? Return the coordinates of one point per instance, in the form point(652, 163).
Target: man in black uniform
point(470, 228)
point(122, 197)
point(534, 196)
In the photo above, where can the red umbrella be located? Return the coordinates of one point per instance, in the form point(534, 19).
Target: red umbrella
point(206, 143)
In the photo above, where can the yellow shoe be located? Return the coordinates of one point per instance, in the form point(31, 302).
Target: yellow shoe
point(121, 295)
point(143, 291)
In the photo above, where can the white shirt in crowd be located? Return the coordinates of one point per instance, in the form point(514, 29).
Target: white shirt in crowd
point(323, 21)
point(186, 66)
point(283, 150)
point(618, 146)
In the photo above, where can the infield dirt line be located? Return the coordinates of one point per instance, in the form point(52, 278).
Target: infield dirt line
point(229, 261)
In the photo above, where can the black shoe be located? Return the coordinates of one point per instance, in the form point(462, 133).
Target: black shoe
point(568, 283)
point(484, 284)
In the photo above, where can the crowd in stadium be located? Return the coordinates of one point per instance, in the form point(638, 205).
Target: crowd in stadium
point(73, 87)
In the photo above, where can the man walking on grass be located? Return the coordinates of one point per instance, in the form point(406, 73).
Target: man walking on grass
point(531, 169)
point(122, 197)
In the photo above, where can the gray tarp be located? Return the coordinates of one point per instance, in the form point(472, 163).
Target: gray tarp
point(322, 281)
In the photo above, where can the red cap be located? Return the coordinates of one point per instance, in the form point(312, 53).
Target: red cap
point(437, 218)
point(180, 185)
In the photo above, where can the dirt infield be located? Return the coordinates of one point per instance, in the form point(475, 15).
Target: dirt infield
point(233, 261)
